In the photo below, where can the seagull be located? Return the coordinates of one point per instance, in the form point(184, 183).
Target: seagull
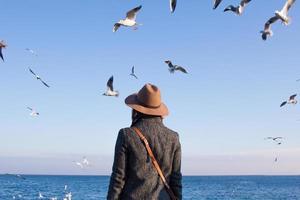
point(267, 30)
point(276, 159)
point(31, 51)
point(216, 3)
point(173, 5)
point(292, 100)
point(33, 112)
point(298, 80)
point(17, 176)
point(173, 68)
point(239, 9)
point(2, 46)
point(129, 21)
point(110, 88)
point(132, 73)
point(38, 78)
point(66, 187)
point(82, 164)
point(283, 14)
point(40, 195)
point(68, 196)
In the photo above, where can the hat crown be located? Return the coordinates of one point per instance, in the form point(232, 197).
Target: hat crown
point(149, 96)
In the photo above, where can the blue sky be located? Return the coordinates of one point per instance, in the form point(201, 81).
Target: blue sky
point(223, 109)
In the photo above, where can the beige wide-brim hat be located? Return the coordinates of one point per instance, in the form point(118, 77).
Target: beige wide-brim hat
point(147, 101)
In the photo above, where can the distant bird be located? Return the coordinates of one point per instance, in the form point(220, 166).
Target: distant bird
point(132, 73)
point(38, 78)
point(2, 46)
point(40, 195)
point(276, 159)
point(239, 9)
point(31, 51)
point(68, 196)
point(173, 5)
point(173, 68)
point(33, 113)
point(66, 187)
point(17, 176)
point(267, 30)
point(298, 80)
point(292, 100)
point(110, 88)
point(129, 21)
point(82, 164)
point(283, 14)
point(216, 3)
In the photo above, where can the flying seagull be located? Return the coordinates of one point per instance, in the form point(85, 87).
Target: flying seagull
point(283, 14)
point(173, 5)
point(267, 30)
point(173, 68)
point(40, 195)
point(31, 51)
point(17, 176)
point(2, 46)
point(279, 15)
point(292, 100)
point(239, 9)
point(132, 73)
point(33, 112)
point(38, 78)
point(216, 3)
point(298, 80)
point(82, 164)
point(110, 88)
point(129, 21)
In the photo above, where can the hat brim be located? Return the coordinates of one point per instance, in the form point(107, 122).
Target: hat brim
point(133, 103)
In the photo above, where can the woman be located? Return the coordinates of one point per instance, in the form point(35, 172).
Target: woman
point(134, 175)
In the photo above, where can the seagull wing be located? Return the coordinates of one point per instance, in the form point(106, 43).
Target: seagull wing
point(287, 6)
point(1, 55)
point(132, 70)
point(110, 83)
point(231, 8)
point(116, 27)
point(44, 83)
point(29, 108)
point(32, 71)
point(244, 2)
point(270, 22)
point(179, 68)
point(276, 138)
point(293, 97)
point(132, 13)
point(173, 4)
point(283, 103)
point(216, 3)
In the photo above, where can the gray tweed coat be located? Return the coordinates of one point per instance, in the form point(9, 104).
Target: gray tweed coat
point(133, 175)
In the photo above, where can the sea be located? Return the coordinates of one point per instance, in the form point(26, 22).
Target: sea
point(194, 187)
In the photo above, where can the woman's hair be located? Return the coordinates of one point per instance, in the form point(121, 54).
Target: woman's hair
point(136, 116)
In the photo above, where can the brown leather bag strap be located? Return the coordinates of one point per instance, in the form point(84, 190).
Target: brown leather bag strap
point(155, 163)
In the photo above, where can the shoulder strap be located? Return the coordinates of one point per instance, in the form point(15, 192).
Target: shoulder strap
point(155, 163)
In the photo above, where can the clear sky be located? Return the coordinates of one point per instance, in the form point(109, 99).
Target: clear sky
point(223, 109)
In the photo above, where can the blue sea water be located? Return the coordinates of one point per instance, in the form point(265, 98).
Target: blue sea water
point(194, 187)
